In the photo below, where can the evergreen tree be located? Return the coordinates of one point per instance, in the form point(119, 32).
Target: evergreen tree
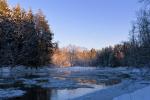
point(25, 38)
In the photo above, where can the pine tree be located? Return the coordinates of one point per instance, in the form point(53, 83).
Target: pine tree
point(25, 38)
point(4, 8)
point(45, 38)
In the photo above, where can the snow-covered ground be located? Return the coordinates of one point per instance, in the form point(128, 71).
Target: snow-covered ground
point(128, 89)
point(141, 94)
point(114, 91)
point(77, 83)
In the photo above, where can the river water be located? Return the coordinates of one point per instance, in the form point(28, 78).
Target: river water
point(53, 83)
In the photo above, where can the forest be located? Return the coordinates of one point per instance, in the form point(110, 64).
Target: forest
point(26, 39)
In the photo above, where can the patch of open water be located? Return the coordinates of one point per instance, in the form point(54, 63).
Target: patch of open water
point(57, 84)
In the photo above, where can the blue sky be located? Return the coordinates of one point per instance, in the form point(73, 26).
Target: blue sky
point(86, 23)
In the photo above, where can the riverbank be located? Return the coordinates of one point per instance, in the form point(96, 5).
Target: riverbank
point(72, 83)
point(128, 89)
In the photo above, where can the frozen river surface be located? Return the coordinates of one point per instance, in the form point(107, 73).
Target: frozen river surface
point(56, 83)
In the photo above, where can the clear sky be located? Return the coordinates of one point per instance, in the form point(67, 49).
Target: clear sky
point(86, 23)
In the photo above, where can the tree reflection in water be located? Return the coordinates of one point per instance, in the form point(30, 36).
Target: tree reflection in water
point(35, 93)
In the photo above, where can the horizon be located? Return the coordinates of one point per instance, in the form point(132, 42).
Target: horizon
point(90, 24)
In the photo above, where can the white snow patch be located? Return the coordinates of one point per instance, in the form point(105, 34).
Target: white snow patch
point(113, 91)
point(9, 93)
point(141, 94)
point(76, 68)
point(29, 82)
point(5, 71)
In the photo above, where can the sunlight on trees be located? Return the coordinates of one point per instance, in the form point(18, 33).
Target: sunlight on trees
point(25, 38)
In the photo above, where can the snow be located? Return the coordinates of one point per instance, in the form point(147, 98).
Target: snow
point(71, 83)
point(29, 82)
point(75, 69)
point(113, 91)
point(5, 72)
point(9, 93)
point(141, 94)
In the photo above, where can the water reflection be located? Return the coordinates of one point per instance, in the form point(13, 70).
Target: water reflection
point(62, 84)
point(38, 93)
point(35, 93)
point(91, 81)
point(67, 94)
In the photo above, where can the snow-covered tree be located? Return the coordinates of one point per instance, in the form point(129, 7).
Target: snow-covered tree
point(25, 38)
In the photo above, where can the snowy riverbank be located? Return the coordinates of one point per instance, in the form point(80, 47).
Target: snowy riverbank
point(114, 91)
point(141, 94)
point(73, 83)
point(133, 88)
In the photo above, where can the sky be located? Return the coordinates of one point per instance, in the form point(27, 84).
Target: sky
point(86, 23)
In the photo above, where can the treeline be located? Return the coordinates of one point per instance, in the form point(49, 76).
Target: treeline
point(73, 56)
point(25, 38)
point(119, 55)
point(134, 52)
